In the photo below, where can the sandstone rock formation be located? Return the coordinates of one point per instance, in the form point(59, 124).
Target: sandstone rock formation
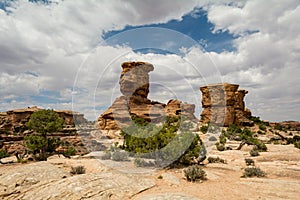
point(14, 121)
point(45, 181)
point(134, 85)
point(223, 104)
point(13, 128)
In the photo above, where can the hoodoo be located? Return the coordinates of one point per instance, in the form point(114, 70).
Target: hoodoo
point(223, 104)
point(134, 85)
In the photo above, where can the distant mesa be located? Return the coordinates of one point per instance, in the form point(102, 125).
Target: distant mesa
point(222, 103)
point(14, 121)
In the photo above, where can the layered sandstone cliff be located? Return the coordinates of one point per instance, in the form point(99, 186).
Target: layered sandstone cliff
point(134, 85)
point(223, 104)
point(14, 121)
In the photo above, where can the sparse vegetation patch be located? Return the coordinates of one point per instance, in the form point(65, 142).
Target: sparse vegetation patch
point(194, 173)
point(253, 171)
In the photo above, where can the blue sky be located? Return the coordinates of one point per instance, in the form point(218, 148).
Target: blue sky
point(67, 54)
point(195, 25)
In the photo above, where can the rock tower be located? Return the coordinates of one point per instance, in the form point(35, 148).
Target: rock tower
point(223, 104)
point(134, 85)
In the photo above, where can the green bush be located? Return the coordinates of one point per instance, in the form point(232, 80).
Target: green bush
point(278, 127)
point(160, 177)
point(40, 146)
point(212, 138)
point(216, 160)
point(222, 139)
point(260, 145)
point(249, 161)
point(262, 127)
point(296, 141)
point(71, 151)
point(245, 135)
point(106, 155)
point(254, 152)
point(253, 171)
point(166, 143)
point(140, 162)
point(220, 147)
point(194, 173)
point(77, 170)
point(43, 122)
point(257, 120)
point(297, 144)
point(204, 129)
point(233, 130)
point(261, 132)
point(213, 128)
point(3, 153)
point(119, 156)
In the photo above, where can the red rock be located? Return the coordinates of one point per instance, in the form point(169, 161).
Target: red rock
point(134, 85)
point(223, 104)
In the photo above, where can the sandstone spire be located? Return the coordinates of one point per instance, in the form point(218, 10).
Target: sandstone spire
point(223, 104)
point(134, 85)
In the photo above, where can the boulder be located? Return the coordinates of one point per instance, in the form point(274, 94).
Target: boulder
point(134, 79)
point(177, 107)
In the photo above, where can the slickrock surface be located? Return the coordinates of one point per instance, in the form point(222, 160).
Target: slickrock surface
point(51, 179)
point(42, 180)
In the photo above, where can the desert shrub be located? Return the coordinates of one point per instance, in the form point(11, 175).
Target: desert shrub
point(232, 131)
point(278, 127)
point(40, 146)
point(222, 139)
point(260, 146)
point(204, 129)
point(140, 162)
point(213, 128)
point(119, 156)
point(194, 173)
point(262, 127)
point(261, 132)
point(77, 170)
point(216, 160)
point(254, 152)
point(106, 155)
point(21, 160)
point(245, 135)
point(249, 161)
point(297, 144)
point(3, 153)
point(212, 138)
point(220, 147)
point(296, 138)
point(71, 151)
point(170, 142)
point(160, 177)
point(253, 171)
point(257, 120)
